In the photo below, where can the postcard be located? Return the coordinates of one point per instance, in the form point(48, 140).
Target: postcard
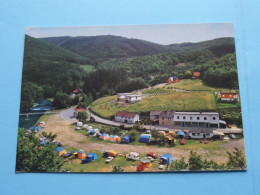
point(133, 98)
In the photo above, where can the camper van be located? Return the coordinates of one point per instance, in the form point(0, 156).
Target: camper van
point(133, 156)
point(79, 124)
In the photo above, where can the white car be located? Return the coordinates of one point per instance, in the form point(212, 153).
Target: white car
point(109, 159)
point(161, 167)
point(77, 128)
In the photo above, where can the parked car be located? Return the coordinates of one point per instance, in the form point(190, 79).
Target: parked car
point(232, 136)
point(161, 167)
point(109, 159)
point(68, 154)
point(152, 154)
point(182, 141)
point(133, 156)
point(229, 126)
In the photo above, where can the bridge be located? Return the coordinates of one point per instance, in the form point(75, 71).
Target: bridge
point(34, 113)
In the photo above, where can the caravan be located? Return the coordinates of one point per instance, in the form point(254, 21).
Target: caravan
point(133, 156)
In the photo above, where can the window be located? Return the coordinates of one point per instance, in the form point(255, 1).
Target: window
point(191, 118)
point(162, 118)
point(214, 118)
point(198, 134)
point(169, 119)
point(193, 133)
point(205, 118)
point(207, 134)
point(184, 117)
point(178, 117)
point(198, 118)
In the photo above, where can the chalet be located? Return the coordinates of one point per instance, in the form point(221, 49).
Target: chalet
point(205, 134)
point(128, 97)
point(154, 116)
point(181, 64)
point(150, 77)
point(196, 75)
point(229, 96)
point(166, 118)
point(196, 119)
point(173, 80)
point(126, 117)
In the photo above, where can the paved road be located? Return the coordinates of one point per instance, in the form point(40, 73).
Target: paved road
point(68, 115)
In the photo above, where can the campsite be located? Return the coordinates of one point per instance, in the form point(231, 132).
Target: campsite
point(118, 104)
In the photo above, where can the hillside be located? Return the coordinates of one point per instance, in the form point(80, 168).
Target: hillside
point(101, 48)
point(36, 49)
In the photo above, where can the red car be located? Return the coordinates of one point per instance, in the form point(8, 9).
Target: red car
point(182, 141)
point(228, 126)
point(152, 154)
point(140, 168)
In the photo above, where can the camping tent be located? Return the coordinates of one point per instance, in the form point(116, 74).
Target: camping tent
point(61, 151)
point(92, 132)
point(126, 140)
point(36, 128)
point(145, 138)
point(104, 136)
point(114, 138)
point(181, 134)
point(90, 157)
point(172, 133)
point(145, 162)
point(162, 133)
point(166, 158)
point(80, 154)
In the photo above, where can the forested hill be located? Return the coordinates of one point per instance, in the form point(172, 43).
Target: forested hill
point(102, 48)
point(36, 49)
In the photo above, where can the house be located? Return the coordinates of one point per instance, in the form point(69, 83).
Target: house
point(126, 117)
point(79, 108)
point(181, 64)
point(89, 158)
point(195, 75)
point(128, 97)
point(196, 119)
point(229, 96)
point(61, 151)
point(166, 118)
point(150, 77)
point(204, 134)
point(125, 140)
point(173, 80)
point(166, 158)
point(154, 116)
point(145, 138)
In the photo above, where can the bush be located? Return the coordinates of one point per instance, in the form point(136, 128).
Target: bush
point(82, 116)
point(92, 119)
point(61, 100)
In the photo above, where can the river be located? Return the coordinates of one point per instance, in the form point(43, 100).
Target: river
point(41, 105)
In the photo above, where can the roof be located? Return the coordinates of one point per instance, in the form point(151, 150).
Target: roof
point(228, 92)
point(201, 131)
point(166, 114)
point(91, 154)
point(126, 137)
point(125, 114)
point(196, 74)
point(167, 155)
point(80, 109)
point(180, 133)
point(81, 152)
point(133, 153)
point(145, 135)
point(156, 113)
point(104, 134)
point(76, 91)
point(133, 95)
point(145, 160)
point(59, 149)
point(196, 113)
point(123, 93)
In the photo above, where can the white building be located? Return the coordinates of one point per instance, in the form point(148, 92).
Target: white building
point(126, 117)
point(196, 119)
point(204, 134)
point(128, 97)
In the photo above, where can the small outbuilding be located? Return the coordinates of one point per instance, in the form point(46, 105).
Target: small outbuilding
point(166, 158)
point(89, 158)
point(61, 151)
point(126, 139)
point(145, 138)
point(181, 134)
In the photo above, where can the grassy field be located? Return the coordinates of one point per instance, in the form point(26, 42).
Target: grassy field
point(195, 85)
point(194, 101)
point(87, 68)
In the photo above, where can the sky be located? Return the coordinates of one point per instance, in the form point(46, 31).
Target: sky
point(163, 34)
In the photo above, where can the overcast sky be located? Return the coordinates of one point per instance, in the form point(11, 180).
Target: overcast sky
point(162, 34)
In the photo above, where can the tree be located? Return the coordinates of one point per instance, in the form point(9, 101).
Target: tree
point(75, 100)
point(61, 100)
point(82, 116)
point(32, 157)
point(133, 134)
point(178, 164)
point(236, 160)
point(155, 134)
point(117, 169)
point(195, 161)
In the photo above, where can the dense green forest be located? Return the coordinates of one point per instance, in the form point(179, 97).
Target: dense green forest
point(120, 64)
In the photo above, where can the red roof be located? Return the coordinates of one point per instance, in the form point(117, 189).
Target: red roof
point(196, 74)
point(76, 91)
point(125, 114)
point(80, 109)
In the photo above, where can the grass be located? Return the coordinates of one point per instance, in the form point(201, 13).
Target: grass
point(106, 107)
point(87, 68)
point(43, 118)
point(196, 85)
